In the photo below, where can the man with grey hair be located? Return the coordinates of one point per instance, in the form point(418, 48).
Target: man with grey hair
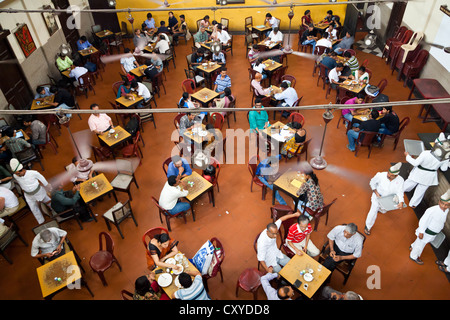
point(49, 244)
point(344, 243)
point(330, 294)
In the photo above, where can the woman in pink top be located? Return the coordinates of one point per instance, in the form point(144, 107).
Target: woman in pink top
point(257, 87)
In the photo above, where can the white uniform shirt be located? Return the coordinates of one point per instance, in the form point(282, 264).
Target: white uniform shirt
point(352, 245)
point(30, 181)
point(268, 249)
point(223, 37)
point(47, 247)
point(169, 196)
point(275, 37)
point(385, 187)
point(289, 96)
point(433, 218)
point(11, 200)
point(428, 161)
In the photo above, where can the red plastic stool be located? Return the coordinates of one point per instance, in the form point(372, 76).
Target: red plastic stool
point(250, 281)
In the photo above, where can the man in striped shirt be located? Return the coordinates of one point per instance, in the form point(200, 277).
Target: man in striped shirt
point(298, 238)
point(222, 81)
point(192, 290)
point(352, 64)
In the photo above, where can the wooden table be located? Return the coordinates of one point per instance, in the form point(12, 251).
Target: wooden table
point(291, 272)
point(273, 132)
point(64, 267)
point(321, 26)
point(25, 137)
point(428, 89)
point(209, 70)
point(105, 34)
point(353, 88)
point(128, 103)
point(89, 193)
point(87, 52)
point(172, 288)
point(66, 73)
point(139, 71)
point(201, 185)
point(205, 96)
point(113, 140)
point(261, 29)
point(270, 67)
point(196, 138)
point(443, 111)
point(207, 45)
point(340, 59)
point(37, 105)
point(289, 182)
point(150, 47)
point(268, 44)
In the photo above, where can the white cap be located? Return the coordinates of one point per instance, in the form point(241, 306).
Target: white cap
point(395, 169)
point(446, 196)
point(15, 165)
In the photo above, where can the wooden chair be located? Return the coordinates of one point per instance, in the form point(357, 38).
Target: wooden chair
point(8, 237)
point(251, 166)
point(133, 149)
point(125, 177)
point(117, 42)
point(396, 136)
point(319, 50)
point(300, 150)
point(225, 23)
point(28, 155)
point(103, 259)
point(341, 118)
point(250, 281)
point(101, 153)
point(86, 84)
point(276, 76)
point(218, 266)
point(169, 55)
point(165, 165)
point(230, 46)
point(118, 214)
point(365, 63)
point(232, 105)
point(346, 266)
point(126, 295)
point(158, 82)
point(61, 217)
point(365, 139)
point(167, 215)
point(116, 86)
point(323, 75)
point(324, 211)
point(289, 78)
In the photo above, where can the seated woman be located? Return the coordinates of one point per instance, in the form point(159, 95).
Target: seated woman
point(310, 194)
point(360, 75)
point(223, 102)
point(213, 140)
point(146, 288)
point(161, 248)
point(291, 146)
point(259, 66)
point(124, 89)
point(257, 87)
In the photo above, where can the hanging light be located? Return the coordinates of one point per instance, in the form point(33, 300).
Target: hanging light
point(274, 2)
point(288, 48)
point(111, 3)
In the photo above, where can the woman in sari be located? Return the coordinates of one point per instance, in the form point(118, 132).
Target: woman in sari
point(161, 248)
point(292, 145)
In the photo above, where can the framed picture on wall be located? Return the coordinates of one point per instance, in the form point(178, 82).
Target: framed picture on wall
point(25, 40)
point(50, 22)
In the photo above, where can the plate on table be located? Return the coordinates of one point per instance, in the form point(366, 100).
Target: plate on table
point(178, 272)
point(202, 133)
point(165, 280)
point(204, 64)
point(177, 283)
point(308, 277)
point(170, 261)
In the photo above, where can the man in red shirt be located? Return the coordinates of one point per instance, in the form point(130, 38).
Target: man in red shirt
point(298, 239)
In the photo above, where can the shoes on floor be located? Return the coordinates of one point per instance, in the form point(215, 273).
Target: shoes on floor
point(366, 231)
point(418, 261)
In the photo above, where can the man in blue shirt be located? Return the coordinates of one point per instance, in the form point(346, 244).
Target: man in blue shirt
point(179, 167)
point(150, 24)
point(344, 43)
point(83, 43)
point(268, 170)
point(191, 290)
point(222, 81)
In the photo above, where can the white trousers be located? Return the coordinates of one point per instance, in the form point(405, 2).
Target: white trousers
point(373, 212)
point(33, 203)
point(418, 245)
point(311, 250)
point(447, 261)
point(418, 193)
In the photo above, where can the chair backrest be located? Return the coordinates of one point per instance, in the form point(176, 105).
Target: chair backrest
point(406, 36)
point(123, 212)
point(345, 99)
point(365, 138)
point(296, 117)
point(224, 22)
point(165, 164)
point(217, 120)
point(381, 85)
point(297, 102)
point(289, 78)
point(106, 242)
point(126, 295)
point(286, 225)
point(124, 165)
point(253, 164)
point(277, 211)
point(403, 124)
point(217, 245)
point(86, 79)
point(352, 52)
point(278, 74)
point(400, 32)
point(323, 69)
point(216, 164)
point(99, 153)
point(422, 57)
point(319, 50)
point(176, 120)
point(248, 22)
point(27, 154)
point(321, 211)
point(365, 63)
point(161, 209)
point(188, 85)
point(150, 233)
point(46, 225)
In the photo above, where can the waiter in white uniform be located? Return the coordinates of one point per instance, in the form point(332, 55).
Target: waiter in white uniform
point(30, 182)
point(384, 184)
point(423, 175)
point(431, 223)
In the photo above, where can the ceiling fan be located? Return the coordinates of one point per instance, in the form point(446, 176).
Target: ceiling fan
point(166, 4)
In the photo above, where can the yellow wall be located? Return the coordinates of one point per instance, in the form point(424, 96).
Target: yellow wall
point(236, 17)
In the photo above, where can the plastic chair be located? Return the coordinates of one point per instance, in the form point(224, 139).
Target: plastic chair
point(215, 180)
point(188, 85)
point(279, 210)
point(117, 214)
point(296, 117)
point(397, 36)
point(300, 150)
point(102, 153)
point(342, 101)
point(217, 120)
point(252, 165)
point(319, 50)
point(218, 266)
point(8, 237)
point(250, 281)
point(116, 86)
point(167, 215)
point(176, 120)
point(103, 259)
point(320, 213)
point(150, 234)
point(365, 139)
point(412, 69)
point(126, 295)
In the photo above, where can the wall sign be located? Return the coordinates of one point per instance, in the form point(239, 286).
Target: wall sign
point(25, 40)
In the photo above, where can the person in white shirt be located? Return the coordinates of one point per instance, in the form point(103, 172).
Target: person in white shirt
point(271, 21)
point(223, 36)
point(344, 243)
point(323, 42)
point(49, 244)
point(275, 35)
point(384, 184)
point(335, 76)
point(8, 202)
point(430, 224)
point(423, 175)
point(99, 122)
point(128, 63)
point(142, 91)
point(287, 97)
point(77, 72)
point(162, 45)
point(31, 182)
point(268, 254)
point(169, 199)
point(257, 87)
point(332, 33)
point(283, 292)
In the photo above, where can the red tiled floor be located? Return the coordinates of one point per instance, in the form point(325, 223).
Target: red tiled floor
point(386, 248)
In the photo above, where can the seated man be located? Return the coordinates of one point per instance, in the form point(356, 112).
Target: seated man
point(222, 81)
point(150, 24)
point(63, 99)
point(268, 254)
point(8, 202)
point(77, 72)
point(99, 122)
point(186, 102)
point(345, 244)
point(344, 43)
point(49, 244)
point(200, 37)
point(324, 42)
point(151, 72)
point(309, 37)
point(253, 53)
point(142, 91)
point(191, 290)
point(162, 45)
point(282, 293)
point(287, 97)
point(14, 144)
point(179, 167)
point(275, 36)
point(38, 131)
point(6, 179)
point(349, 113)
point(389, 123)
point(42, 92)
point(63, 62)
point(298, 238)
point(329, 17)
point(258, 118)
point(157, 62)
point(71, 199)
point(128, 63)
point(267, 173)
point(83, 43)
point(332, 33)
point(329, 293)
point(335, 76)
point(219, 58)
point(222, 36)
point(197, 58)
point(352, 64)
point(187, 122)
point(163, 28)
point(173, 190)
point(372, 125)
point(271, 22)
